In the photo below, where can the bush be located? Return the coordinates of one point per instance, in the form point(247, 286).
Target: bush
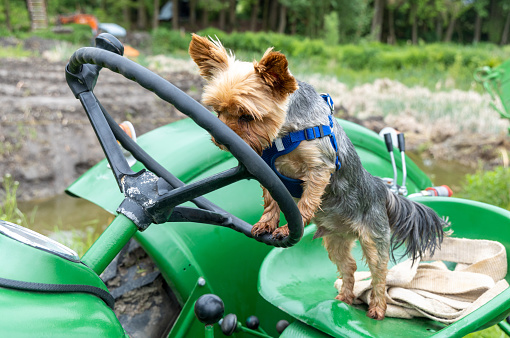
point(492, 187)
point(165, 41)
point(423, 65)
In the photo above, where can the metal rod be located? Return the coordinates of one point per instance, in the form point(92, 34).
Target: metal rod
point(109, 244)
point(253, 332)
point(389, 145)
point(209, 331)
point(402, 146)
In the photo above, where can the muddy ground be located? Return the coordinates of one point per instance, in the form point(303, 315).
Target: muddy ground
point(46, 141)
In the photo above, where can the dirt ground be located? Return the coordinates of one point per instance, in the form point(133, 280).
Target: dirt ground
point(46, 141)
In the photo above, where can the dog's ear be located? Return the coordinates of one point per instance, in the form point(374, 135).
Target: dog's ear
point(209, 56)
point(273, 69)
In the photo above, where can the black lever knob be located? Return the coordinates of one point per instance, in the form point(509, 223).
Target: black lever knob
point(229, 324)
point(209, 309)
point(401, 142)
point(281, 325)
point(389, 142)
point(252, 322)
point(110, 43)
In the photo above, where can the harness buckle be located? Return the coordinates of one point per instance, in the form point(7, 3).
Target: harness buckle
point(321, 130)
point(312, 130)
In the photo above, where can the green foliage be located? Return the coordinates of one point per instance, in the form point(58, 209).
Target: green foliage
point(78, 240)
point(9, 211)
point(14, 52)
point(81, 35)
point(492, 187)
point(19, 17)
point(332, 28)
point(165, 40)
point(424, 65)
point(491, 332)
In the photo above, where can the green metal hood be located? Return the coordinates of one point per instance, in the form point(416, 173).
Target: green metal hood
point(45, 294)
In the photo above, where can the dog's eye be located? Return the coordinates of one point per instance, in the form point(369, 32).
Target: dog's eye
point(245, 118)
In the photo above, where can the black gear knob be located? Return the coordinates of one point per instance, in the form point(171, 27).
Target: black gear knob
point(110, 43)
point(229, 324)
point(209, 309)
point(252, 322)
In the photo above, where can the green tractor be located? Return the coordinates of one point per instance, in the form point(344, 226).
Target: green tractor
point(190, 206)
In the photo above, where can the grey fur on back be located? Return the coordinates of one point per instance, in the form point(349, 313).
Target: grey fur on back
point(355, 202)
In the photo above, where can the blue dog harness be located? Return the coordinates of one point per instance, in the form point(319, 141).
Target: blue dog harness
point(291, 141)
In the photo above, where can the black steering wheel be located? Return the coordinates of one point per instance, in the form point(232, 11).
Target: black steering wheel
point(82, 72)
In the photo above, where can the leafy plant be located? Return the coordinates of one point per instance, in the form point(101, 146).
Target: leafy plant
point(491, 187)
point(8, 202)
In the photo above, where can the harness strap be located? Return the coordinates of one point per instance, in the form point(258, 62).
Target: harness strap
point(291, 141)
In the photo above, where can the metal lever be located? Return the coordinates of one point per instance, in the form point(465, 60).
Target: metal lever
point(401, 145)
point(389, 146)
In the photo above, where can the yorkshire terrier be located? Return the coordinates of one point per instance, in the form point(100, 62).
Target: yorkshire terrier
point(291, 126)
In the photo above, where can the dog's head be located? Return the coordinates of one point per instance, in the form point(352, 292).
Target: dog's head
point(250, 98)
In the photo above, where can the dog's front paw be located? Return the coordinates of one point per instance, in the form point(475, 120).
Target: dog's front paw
point(376, 313)
point(347, 299)
point(281, 232)
point(261, 228)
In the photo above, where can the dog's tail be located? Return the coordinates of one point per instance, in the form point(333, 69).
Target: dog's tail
point(415, 225)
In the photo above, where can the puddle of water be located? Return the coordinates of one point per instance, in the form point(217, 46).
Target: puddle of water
point(72, 221)
point(443, 172)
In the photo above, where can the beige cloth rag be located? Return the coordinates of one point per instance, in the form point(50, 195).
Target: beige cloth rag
point(432, 290)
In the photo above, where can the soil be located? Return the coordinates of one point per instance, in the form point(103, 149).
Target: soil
point(46, 141)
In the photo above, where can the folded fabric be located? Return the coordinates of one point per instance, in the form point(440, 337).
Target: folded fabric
point(429, 289)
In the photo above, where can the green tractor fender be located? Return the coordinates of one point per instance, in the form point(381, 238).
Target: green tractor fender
point(43, 293)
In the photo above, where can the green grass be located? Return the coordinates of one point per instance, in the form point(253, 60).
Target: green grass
point(81, 34)
point(15, 52)
point(491, 332)
point(492, 187)
point(9, 211)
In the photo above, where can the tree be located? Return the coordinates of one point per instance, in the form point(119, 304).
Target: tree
point(393, 6)
point(7, 16)
point(232, 14)
point(354, 18)
point(506, 29)
point(481, 9)
point(193, 14)
point(141, 22)
point(255, 7)
point(283, 19)
point(175, 14)
point(454, 9)
point(155, 15)
point(377, 20)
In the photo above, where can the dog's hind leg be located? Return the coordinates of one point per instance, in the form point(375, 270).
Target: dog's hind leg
point(270, 218)
point(376, 251)
point(339, 251)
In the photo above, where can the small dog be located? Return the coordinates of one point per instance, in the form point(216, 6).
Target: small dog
point(263, 103)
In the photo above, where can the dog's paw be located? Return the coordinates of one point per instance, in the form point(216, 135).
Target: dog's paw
point(376, 313)
point(281, 232)
point(261, 228)
point(347, 299)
